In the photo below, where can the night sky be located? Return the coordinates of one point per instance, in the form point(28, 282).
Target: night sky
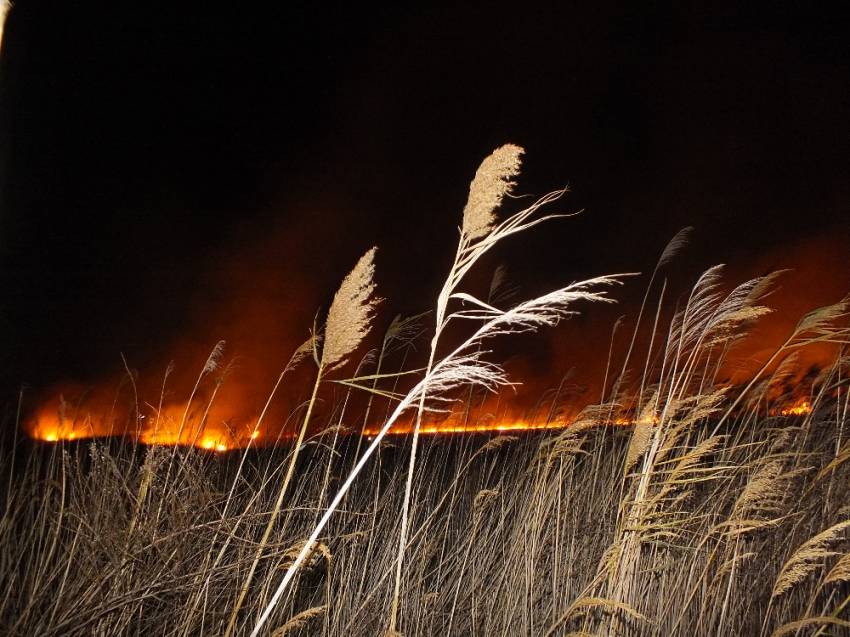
point(172, 176)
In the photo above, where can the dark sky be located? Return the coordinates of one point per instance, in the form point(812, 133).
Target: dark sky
point(173, 175)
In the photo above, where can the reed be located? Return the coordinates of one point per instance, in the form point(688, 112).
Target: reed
point(677, 505)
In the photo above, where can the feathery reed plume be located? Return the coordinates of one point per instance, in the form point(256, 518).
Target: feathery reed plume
point(479, 233)
point(808, 558)
point(299, 620)
point(497, 442)
point(817, 326)
point(821, 320)
point(350, 314)
point(316, 550)
point(491, 183)
point(641, 435)
point(584, 604)
point(822, 621)
point(300, 354)
point(214, 359)
point(762, 498)
point(500, 275)
point(674, 246)
point(840, 572)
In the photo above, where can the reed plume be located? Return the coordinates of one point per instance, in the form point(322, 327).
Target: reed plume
point(808, 558)
point(351, 312)
point(349, 318)
point(491, 184)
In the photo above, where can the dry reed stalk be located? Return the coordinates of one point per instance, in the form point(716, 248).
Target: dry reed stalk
point(349, 318)
point(491, 183)
point(458, 368)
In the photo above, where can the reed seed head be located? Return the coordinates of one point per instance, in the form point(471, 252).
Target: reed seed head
point(351, 312)
point(491, 183)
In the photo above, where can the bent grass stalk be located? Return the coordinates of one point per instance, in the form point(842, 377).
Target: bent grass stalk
point(348, 321)
point(461, 366)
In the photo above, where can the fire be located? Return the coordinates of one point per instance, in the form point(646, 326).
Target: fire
point(172, 425)
point(448, 427)
point(210, 445)
point(208, 429)
point(52, 425)
point(454, 428)
point(801, 408)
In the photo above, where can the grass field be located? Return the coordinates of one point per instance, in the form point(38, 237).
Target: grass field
point(678, 505)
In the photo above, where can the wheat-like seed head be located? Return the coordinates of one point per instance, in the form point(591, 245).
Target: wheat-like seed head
point(840, 572)
point(491, 183)
point(299, 355)
point(641, 435)
point(496, 443)
point(299, 620)
point(351, 312)
point(214, 358)
point(676, 244)
point(808, 558)
point(482, 497)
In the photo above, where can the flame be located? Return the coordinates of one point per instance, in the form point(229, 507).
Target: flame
point(478, 427)
point(210, 445)
point(51, 424)
point(173, 425)
point(801, 408)
point(206, 427)
point(501, 426)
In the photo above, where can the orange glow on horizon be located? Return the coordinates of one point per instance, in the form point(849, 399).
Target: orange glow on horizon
point(175, 425)
point(453, 428)
point(171, 426)
point(168, 431)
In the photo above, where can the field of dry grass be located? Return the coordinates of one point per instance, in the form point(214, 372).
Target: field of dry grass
point(739, 533)
point(679, 505)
